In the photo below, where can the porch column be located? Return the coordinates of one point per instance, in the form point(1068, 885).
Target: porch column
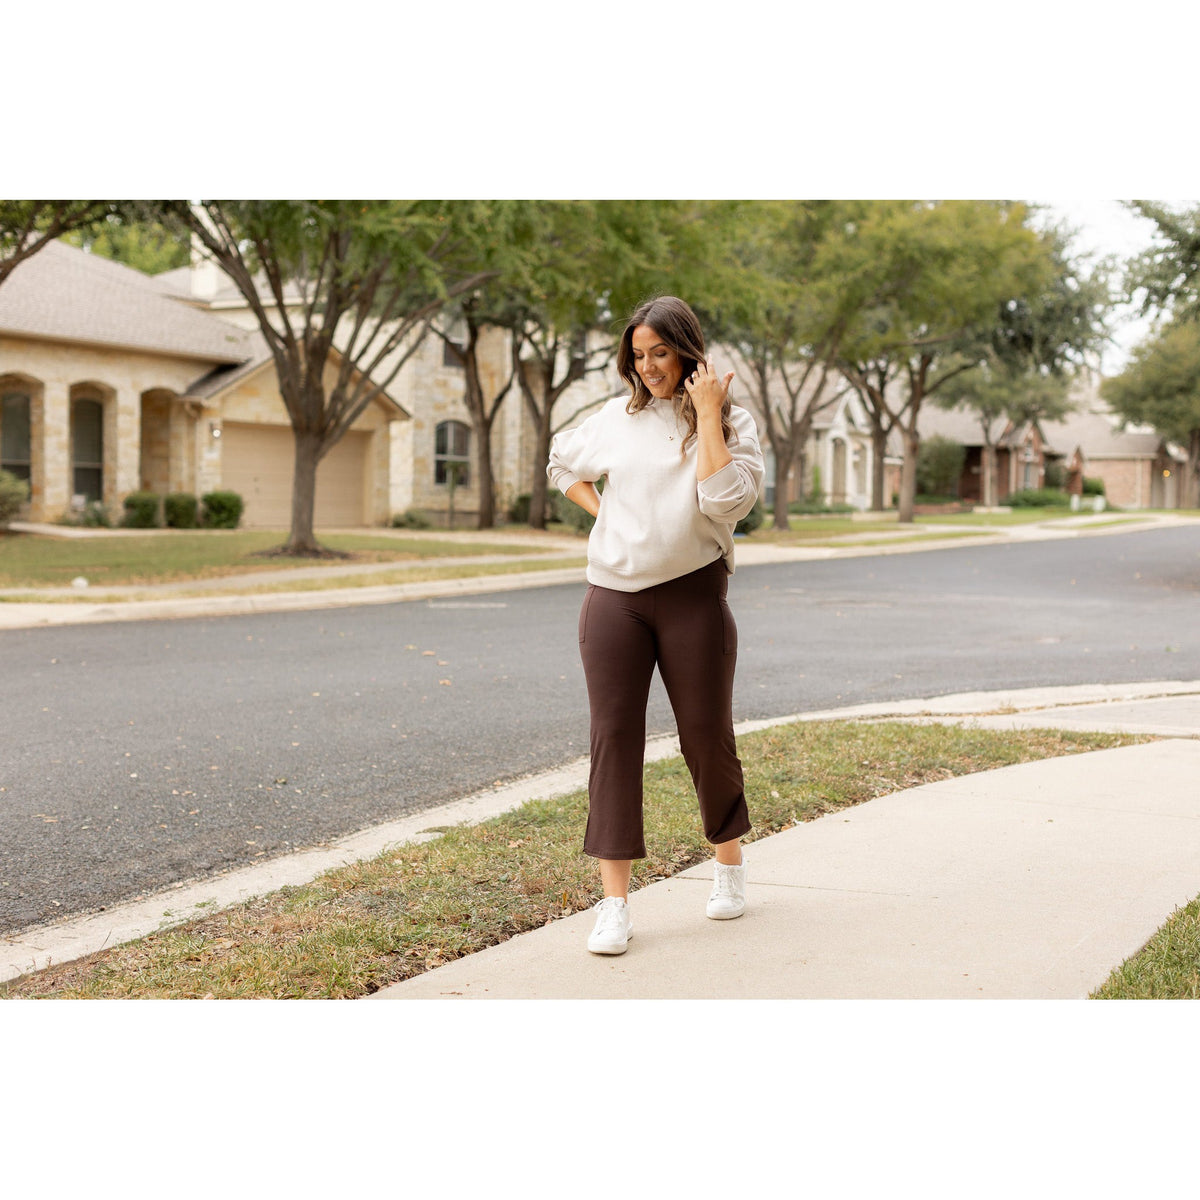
point(122, 448)
point(50, 471)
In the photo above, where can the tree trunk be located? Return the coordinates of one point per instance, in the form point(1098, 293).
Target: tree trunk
point(486, 481)
point(1191, 483)
point(878, 465)
point(540, 485)
point(783, 479)
point(533, 376)
point(987, 468)
point(302, 539)
point(908, 472)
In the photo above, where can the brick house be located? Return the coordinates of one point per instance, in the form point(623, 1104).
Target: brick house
point(1139, 468)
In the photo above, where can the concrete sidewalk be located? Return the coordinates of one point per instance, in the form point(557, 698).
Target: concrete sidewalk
point(1029, 882)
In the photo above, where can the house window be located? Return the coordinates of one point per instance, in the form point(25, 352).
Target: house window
point(87, 448)
point(15, 441)
point(453, 354)
point(452, 445)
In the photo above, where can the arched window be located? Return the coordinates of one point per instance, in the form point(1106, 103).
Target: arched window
point(16, 445)
point(87, 448)
point(452, 445)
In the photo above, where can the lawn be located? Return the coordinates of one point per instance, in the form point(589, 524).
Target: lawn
point(36, 561)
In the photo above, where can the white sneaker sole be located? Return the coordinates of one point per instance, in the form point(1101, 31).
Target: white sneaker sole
point(611, 947)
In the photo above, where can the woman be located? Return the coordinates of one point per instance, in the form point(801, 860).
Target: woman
point(681, 466)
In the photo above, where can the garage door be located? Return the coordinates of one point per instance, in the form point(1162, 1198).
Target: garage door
point(256, 462)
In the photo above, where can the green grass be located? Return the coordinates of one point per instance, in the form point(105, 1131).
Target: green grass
point(1166, 968)
point(36, 561)
point(411, 908)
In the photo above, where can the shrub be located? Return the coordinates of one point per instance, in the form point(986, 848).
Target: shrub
point(518, 514)
point(939, 466)
point(811, 508)
point(181, 510)
point(411, 519)
point(141, 511)
point(13, 493)
point(92, 515)
point(1038, 498)
point(752, 520)
point(1055, 476)
point(1093, 487)
point(222, 510)
point(571, 514)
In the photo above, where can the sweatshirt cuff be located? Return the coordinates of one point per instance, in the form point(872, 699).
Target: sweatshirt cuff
point(726, 493)
point(564, 480)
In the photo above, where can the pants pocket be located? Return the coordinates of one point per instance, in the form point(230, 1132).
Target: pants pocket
point(729, 626)
point(583, 614)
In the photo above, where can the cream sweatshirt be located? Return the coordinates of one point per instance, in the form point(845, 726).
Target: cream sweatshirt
point(656, 522)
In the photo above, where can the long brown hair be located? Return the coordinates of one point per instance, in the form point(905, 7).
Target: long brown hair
point(675, 322)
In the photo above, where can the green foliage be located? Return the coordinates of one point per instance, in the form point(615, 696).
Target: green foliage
point(1168, 275)
point(141, 510)
point(28, 225)
point(1160, 386)
point(518, 512)
point(752, 520)
point(13, 493)
point(811, 508)
point(571, 514)
point(181, 510)
point(144, 245)
point(939, 466)
point(93, 515)
point(1093, 487)
point(222, 510)
point(1055, 476)
point(1038, 498)
point(411, 518)
point(816, 493)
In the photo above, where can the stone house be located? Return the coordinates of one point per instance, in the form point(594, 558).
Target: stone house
point(112, 381)
point(436, 434)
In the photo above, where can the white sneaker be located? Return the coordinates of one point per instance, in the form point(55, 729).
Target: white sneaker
point(728, 897)
point(613, 927)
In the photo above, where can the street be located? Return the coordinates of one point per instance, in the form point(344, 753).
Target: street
point(137, 754)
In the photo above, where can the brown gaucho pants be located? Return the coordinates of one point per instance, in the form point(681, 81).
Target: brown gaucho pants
point(683, 626)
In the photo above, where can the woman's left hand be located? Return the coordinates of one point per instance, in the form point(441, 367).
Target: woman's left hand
point(707, 389)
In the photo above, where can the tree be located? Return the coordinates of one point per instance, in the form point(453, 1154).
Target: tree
point(934, 280)
point(767, 296)
point(1039, 341)
point(482, 407)
point(871, 379)
point(1160, 386)
point(562, 269)
point(339, 287)
point(28, 225)
point(595, 261)
point(1168, 275)
point(144, 245)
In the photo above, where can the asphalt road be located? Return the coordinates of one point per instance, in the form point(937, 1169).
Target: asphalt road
point(138, 754)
